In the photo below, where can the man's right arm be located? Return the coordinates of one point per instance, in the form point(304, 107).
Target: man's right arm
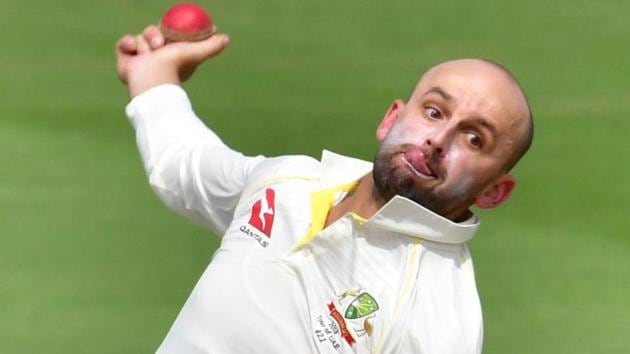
point(192, 171)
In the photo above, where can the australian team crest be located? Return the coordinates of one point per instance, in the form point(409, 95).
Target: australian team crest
point(349, 318)
point(362, 306)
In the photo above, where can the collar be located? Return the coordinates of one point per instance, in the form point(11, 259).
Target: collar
point(400, 215)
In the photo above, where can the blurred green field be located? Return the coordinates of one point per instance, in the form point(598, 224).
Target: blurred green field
point(91, 262)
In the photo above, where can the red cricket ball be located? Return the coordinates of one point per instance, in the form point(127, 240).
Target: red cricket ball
point(186, 22)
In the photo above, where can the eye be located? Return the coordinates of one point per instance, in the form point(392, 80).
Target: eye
point(433, 113)
point(474, 140)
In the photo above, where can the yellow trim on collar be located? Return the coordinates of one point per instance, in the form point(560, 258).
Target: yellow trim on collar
point(359, 218)
point(321, 203)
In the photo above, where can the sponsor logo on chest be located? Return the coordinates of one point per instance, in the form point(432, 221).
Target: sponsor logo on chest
point(261, 218)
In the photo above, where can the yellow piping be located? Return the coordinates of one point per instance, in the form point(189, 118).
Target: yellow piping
point(321, 203)
point(403, 294)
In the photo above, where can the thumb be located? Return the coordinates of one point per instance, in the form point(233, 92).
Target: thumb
point(197, 52)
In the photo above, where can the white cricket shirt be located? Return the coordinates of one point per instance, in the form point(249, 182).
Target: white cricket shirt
point(399, 282)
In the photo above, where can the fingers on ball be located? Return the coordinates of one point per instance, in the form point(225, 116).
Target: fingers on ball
point(153, 36)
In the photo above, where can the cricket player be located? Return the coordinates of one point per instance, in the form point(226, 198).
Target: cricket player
point(332, 255)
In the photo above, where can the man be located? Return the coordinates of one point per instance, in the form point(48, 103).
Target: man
point(337, 255)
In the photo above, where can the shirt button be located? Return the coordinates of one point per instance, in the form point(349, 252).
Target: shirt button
point(306, 252)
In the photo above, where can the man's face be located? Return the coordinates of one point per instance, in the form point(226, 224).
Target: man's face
point(450, 143)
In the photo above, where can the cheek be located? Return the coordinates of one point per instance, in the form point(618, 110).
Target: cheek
point(462, 187)
point(466, 171)
point(461, 176)
point(405, 133)
point(458, 160)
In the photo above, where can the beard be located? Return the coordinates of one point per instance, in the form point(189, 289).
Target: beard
point(391, 179)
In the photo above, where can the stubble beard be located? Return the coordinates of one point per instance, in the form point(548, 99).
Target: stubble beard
point(391, 180)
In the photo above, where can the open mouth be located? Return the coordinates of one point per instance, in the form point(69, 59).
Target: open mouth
point(418, 165)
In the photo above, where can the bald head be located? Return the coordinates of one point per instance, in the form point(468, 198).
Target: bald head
point(493, 79)
point(528, 134)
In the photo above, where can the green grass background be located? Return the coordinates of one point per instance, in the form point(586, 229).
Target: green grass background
point(91, 262)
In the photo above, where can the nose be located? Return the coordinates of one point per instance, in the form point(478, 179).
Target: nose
point(437, 144)
point(440, 138)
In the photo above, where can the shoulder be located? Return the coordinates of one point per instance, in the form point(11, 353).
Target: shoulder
point(285, 167)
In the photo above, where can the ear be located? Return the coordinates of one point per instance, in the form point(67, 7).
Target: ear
point(390, 117)
point(496, 193)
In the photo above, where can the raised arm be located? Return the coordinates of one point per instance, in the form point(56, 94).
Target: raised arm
point(192, 171)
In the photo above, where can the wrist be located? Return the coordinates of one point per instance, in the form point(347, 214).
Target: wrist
point(145, 78)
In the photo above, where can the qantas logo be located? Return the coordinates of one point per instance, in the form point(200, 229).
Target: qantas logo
point(263, 212)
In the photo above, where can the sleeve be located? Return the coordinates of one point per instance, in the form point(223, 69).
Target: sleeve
point(189, 167)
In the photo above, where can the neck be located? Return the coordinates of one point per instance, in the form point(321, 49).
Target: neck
point(360, 201)
point(460, 215)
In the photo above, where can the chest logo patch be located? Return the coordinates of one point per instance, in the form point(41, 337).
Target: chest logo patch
point(349, 319)
point(263, 212)
point(363, 305)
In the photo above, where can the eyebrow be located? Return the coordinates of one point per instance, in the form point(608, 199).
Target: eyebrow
point(440, 92)
point(487, 125)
